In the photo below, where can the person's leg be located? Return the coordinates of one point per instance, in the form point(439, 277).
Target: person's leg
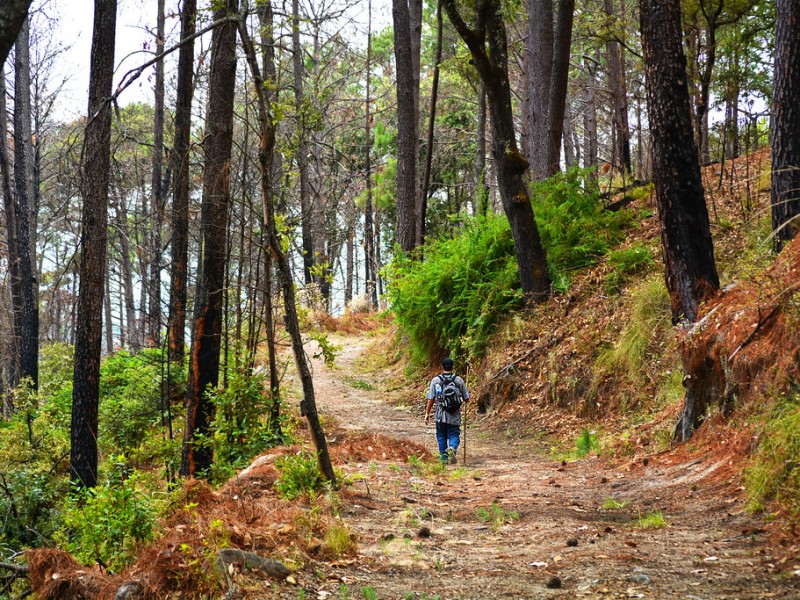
point(454, 436)
point(441, 438)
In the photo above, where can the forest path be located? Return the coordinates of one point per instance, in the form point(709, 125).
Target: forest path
point(421, 536)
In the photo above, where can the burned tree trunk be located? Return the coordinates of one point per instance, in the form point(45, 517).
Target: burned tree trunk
point(786, 124)
point(180, 196)
point(207, 328)
point(94, 240)
point(688, 250)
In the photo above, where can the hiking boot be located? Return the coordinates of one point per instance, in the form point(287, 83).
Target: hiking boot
point(451, 456)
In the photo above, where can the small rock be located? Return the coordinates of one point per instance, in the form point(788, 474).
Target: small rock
point(424, 532)
point(645, 461)
point(563, 463)
point(388, 537)
point(233, 556)
point(609, 529)
point(572, 542)
point(639, 578)
point(553, 583)
point(604, 480)
point(131, 590)
point(291, 580)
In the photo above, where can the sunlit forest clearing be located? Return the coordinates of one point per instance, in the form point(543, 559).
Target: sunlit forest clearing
point(233, 276)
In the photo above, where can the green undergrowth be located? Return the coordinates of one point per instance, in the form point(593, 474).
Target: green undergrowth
point(774, 472)
point(649, 323)
point(450, 301)
point(575, 227)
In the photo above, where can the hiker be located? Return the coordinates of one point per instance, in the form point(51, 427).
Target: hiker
point(447, 391)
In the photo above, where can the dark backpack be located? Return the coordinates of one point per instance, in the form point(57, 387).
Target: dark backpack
point(450, 397)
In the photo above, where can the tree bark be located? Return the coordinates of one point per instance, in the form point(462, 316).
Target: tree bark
point(407, 126)
point(308, 407)
point(688, 251)
point(548, 68)
point(369, 223)
point(426, 178)
point(93, 243)
point(25, 206)
point(590, 119)
point(489, 33)
point(619, 95)
point(482, 191)
point(11, 242)
point(786, 124)
point(270, 73)
point(180, 196)
point(153, 325)
point(306, 209)
point(12, 14)
point(123, 235)
point(210, 287)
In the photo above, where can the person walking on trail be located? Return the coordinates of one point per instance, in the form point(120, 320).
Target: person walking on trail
point(447, 392)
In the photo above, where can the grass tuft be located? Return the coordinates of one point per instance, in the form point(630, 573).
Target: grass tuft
point(774, 473)
point(653, 520)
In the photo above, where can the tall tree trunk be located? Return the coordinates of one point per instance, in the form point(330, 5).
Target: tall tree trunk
point(308, 407)
point(108, 317)
point(94, 239)
point(558, 86)
point(11, 242)
point(786, 124)
point(569, 148)
point(688, 251)
point(180, 196)
point(426, 179)
point(306, 209)
point(408, 213)
point(482, 191)
point(540, 75)
point(210, 287)
point(369, 225)
point(265, 20)
point(12, 14)
point(153, 324)
point(489, 35)
point(549, 50)
point(126, 266)
point(619, 94)
point(590, 118)
point(26, 209)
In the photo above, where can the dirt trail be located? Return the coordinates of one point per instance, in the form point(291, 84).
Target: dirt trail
point(420, 534)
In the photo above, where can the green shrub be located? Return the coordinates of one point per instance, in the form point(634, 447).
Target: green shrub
point(653, 520)
point(496, 516)
point(575, 227)
point(130, 398)
point(106, 522)
point(242, 428)
point(34, 463)
point(300, 475)
point(449, 301)
point(774, 474)
point(587, 442)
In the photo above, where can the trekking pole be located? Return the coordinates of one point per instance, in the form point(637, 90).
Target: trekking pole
point(464, 418)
